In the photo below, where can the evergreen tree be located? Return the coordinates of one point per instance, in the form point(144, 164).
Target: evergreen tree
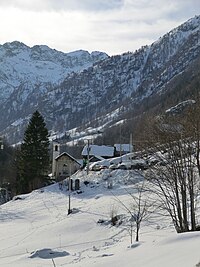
point(33, 160)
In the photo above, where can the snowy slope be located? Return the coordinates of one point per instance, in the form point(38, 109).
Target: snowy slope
point(36, 228)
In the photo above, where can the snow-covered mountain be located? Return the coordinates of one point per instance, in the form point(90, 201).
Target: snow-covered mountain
point(37, 66)
point(72, 89)
point(27, 75)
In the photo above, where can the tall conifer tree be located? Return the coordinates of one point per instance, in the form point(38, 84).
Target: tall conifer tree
point(34, 155)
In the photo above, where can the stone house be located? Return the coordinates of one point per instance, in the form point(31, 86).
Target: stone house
point(65, 166)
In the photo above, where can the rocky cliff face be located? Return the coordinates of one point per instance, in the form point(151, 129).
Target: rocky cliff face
point(28, 75)
point(71, 89)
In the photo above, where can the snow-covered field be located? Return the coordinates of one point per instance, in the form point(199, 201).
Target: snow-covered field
point(36, 230)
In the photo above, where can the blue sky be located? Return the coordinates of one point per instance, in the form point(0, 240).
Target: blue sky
point(113, 26)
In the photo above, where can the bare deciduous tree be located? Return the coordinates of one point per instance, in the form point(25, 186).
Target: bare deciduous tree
point(138, 209)
point(176, 175)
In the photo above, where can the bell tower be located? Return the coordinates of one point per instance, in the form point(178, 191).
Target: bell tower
point(56, 153)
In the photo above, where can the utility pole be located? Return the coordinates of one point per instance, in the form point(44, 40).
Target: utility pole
point(131, 142)
point(69, 187)
point(88, 155)
point(131, 147)
point(120, 137)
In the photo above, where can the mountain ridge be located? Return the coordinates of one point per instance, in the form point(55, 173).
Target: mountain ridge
point(38, 64)
point(107, 84)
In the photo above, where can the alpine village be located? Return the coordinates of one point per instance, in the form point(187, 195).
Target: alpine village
point(108, 147)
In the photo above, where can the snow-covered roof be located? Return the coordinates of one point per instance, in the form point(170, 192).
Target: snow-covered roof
point(66, 154)
point(123, 147)
point(98, 157)
point(95, 150)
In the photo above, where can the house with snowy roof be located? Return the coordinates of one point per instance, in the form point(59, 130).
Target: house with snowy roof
point(96, 153)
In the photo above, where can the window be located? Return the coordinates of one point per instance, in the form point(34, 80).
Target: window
point(65, 171)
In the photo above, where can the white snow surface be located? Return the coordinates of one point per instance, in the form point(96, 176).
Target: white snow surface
point(35, 229)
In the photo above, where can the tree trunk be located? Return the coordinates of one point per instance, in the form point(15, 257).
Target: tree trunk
point(192, 206)
point(137, 232)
